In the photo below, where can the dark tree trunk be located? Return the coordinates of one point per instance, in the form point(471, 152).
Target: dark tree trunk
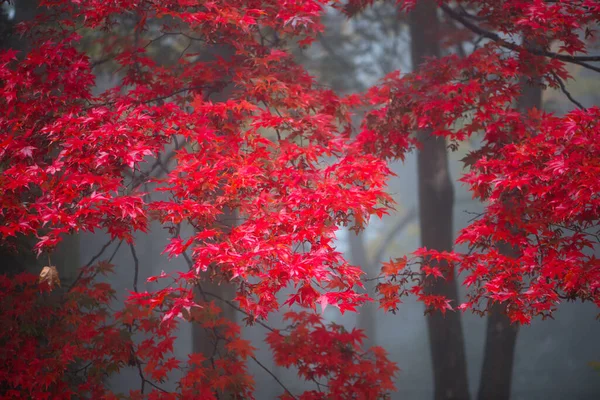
point(436, 203)
point(501, 337)
point(366, 318)
point(203, 341)
point(498, 358)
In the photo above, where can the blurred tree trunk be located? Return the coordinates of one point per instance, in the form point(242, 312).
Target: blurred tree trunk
point(501, 337)
point(366, 318)
point(203, 341)
point(436, 203)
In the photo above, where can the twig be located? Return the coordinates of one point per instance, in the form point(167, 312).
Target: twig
point(563, 89)
point(579, 60)
point(141, 373)
point(89, 263)
point(274, 377)
point(101, 61)
point(136, 267)
point(115, 251)
point(230, 304)
point(143, 378)
point(99, 254)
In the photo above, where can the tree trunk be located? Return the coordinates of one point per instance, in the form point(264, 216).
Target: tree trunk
point(202, 340)
point(436, 203)
point(501, 336)
point(366, 318)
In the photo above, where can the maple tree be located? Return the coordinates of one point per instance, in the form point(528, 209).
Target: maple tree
point(280, 152)
point(524, 158)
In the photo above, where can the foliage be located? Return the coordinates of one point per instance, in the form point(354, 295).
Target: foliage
point(535, 170)
point(57, 343)
point(278, 151)
point(73, 161)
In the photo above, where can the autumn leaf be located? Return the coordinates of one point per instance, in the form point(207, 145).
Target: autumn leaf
point(49, 275)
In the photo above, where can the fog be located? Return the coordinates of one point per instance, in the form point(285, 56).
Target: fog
point(552, 357)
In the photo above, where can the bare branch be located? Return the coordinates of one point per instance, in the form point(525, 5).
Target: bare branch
point(274, 377)
point(563, 89)
point(579, 60)
point(136, 267)
point(143, 379)
point(89, 263)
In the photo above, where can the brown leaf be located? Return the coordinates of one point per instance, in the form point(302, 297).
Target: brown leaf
point(186, 314)
point(49, 274)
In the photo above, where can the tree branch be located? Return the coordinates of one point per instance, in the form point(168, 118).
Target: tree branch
point(89, 263)
point(579, 60)
point(229, 303)
point(136, 267)
point(563, 89)
point(274, 377)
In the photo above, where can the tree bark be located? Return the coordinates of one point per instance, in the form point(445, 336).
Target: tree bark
point(366, 318)
point(436, 203)
point(501, 337)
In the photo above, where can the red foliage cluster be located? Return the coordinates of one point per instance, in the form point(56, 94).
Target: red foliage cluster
point(75, 161)
point(278, 151)
point(536, 171)
point(57, 345)
point(332, 353)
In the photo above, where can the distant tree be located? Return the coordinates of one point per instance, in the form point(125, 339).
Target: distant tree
point(436, 209)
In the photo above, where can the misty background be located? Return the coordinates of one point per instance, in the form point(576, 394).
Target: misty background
point(552, 358)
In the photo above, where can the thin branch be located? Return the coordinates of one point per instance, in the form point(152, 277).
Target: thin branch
point(142, 377)
point(274, 377)
point(204, 294)
point(155, 386)
point(101, 61)
point(173, 94)
point(99, 254)
point(139, 102)
point(230, 304)
point(563, 89)
point(115, 251)
point(136, 272)
point(579, 60)
point(158, 163)
point(140, 372)
point(89, 263)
